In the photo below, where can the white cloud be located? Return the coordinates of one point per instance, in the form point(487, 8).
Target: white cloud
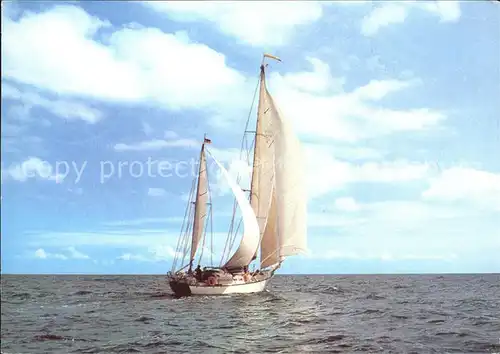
point(446, 10)
point(41, 254)
point(75, 254)
point(346, 116)
point(147, 129)
point(142, 244)
point(157, 253)
point(325, 173)
point(157, 192)
point(143, 221)
point(133, 257)
point(381, 256)
point(168, 134)
point(71, 253)
point(69, 110)
point(351, 153)
point(382, 16)
point(159, 220)
point(346, 203)
point(262, 24)
point(318, 80)
point(33, 167)
point(134, 239)
point(77, 191)
point(162, 252)
point(135, 63)
point(389, 13)
point(466, 184)
point(400, 230)
point(157, 144)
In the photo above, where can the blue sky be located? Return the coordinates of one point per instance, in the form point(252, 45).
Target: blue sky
point(396, 105)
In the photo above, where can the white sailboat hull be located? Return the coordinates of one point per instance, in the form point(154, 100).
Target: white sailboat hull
point(181, 288)
point(247, 288)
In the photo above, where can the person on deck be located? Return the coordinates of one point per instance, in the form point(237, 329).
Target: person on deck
point(198, 273)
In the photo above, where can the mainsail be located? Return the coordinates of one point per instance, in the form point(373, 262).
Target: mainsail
point(286, 228)
point(291, 199)
point(263, 161)
point(250, 239)
point(200, 205)
point(277, 187)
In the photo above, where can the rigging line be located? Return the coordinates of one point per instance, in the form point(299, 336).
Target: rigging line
point(211, 219)
point(178, 247)
point(243, 140)
point(239, 224)
point(203, 243)
point(188, 231)
point(181, 238)
point(184, 242)
point(230, 226)
point(229, 235)
point(275, 252)
point(211, 237)
point(233, 240)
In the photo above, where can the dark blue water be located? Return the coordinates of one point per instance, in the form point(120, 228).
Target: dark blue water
point(333, 314)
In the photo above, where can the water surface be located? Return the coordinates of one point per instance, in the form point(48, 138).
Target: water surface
point(332, 314)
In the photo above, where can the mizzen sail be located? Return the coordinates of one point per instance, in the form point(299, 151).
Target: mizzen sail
point(200, 205)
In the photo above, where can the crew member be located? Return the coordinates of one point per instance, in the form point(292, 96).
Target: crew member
point(198, 273)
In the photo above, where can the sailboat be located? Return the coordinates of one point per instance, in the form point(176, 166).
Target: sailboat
point(273, 214)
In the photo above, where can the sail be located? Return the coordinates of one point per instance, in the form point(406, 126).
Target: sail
point(250, 240)
point(200, 209)
point(291, 200)
point(269, 247)
point(263, 163)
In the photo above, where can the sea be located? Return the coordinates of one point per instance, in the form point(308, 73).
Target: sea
point(296, 314)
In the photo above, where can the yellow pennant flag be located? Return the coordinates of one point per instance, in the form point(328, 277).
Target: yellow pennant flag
point(271, 56)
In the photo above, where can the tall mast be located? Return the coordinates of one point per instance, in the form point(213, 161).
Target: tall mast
point(199, 203)
point(254, 196)
point(260, 139)
point(258, 135)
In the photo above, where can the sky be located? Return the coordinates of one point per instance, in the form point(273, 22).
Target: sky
point(105, 105)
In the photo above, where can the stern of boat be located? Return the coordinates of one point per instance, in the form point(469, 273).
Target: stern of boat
point(179, 288)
